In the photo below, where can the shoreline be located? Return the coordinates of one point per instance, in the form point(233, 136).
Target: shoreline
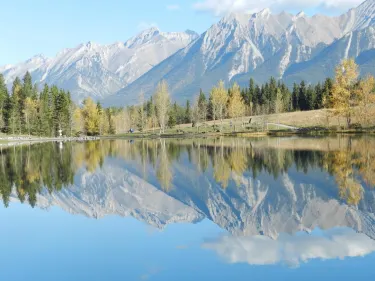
point(281, 133)
point(18, 140)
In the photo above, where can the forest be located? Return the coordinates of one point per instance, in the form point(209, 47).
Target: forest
point(26, 110)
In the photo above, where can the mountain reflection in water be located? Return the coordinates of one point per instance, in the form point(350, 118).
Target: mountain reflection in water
point(270, 195)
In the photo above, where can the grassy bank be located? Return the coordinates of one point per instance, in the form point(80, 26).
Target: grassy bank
point(316, 122)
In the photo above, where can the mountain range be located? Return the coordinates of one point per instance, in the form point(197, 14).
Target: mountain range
point(286, 46)
point(98, 71)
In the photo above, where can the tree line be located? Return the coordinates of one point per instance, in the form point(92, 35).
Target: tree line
point(346, 95)
point(25, 110)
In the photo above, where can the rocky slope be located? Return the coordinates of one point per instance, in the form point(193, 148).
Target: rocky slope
point(286, 46)
point(97, 70)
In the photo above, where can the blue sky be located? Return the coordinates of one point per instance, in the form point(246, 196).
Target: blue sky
point(55, 245)
point(45, 27)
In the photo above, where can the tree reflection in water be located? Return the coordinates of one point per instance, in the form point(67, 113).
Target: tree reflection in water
point(26, 170)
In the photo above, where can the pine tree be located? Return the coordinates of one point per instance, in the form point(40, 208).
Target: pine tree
point(295, 97)
point(172, 117)
point(286, 96)
point(302, 100)
point(45, 112)
point(257, 98)
point(203, 106)
point(188, 112)
point(327, 93)
point(27, 89)
point(3, 100)
point(251, 91)
point(15, 107)
point(319, 96)
point(310, 98)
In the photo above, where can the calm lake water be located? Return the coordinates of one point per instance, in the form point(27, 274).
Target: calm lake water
point(203, 209)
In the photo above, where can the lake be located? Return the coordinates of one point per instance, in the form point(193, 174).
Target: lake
point(193, 209)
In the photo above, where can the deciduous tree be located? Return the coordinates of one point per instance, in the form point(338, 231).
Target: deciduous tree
point(162, 102)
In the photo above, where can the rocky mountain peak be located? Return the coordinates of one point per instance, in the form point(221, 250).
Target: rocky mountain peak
point(143, 37)
point(301, 14)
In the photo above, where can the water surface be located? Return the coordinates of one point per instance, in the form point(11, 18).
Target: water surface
point(202, 209)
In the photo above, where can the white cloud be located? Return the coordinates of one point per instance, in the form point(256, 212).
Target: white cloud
point(292, 250)
point(173, 7)
point(146, 25)
point(220, 7)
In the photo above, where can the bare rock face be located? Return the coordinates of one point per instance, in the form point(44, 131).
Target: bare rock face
point(240, 46)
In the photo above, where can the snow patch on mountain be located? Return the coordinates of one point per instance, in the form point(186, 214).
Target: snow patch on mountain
point(95, 70)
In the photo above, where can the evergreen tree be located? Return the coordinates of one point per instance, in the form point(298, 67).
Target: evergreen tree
point(310, 97)
point(45, 112)
point(27, 89)
point(302, 100)
point(172, 116)
point(286, 96)
point(251, 92)
point(295, 97)
point(15, 107)
point(319, 96)
point(257, 97)
point(202, 105)
point(3, 100)
point(188, 112)
point(327, 93)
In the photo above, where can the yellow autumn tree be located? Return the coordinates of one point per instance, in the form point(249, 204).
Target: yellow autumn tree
point(162, 102)
point(236, 105)
point(90, 117)
point(78, 124)
point(345, 97)
point(219, 98)
point(30, 112)
point(163, 172)
point(366, 94)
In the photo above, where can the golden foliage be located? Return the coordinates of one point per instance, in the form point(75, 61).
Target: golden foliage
point(91, 117)
point(236, 105)
point(344, 95)
point(219, 98)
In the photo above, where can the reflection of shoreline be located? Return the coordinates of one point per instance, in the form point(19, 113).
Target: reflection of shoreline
point(292, 250)
point(17, 141)
point(241, 188)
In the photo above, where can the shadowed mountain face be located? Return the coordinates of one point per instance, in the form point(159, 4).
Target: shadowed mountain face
point(247, 187)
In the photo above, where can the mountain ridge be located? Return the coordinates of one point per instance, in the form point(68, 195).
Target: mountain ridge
point(290, 47)
point(96, 70)
point(257, 45)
